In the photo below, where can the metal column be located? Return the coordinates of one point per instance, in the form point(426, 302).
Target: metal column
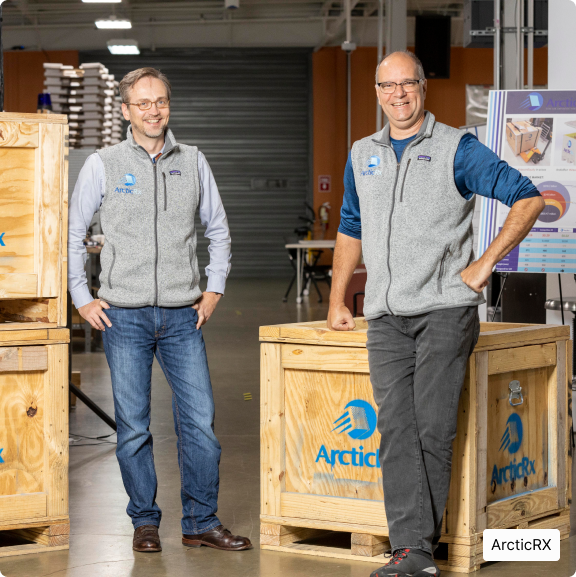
point(396, 31)
point(530, 16)
point(510, 43)
point(379, 57)
point(497, 45)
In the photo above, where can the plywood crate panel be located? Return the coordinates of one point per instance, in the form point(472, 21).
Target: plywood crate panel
point(33, 220)
point(320, 446)
point(34, 442)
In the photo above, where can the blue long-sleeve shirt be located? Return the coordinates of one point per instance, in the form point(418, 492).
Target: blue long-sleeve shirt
point(477, 170)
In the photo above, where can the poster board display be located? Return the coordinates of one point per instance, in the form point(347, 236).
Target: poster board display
point(535, 132)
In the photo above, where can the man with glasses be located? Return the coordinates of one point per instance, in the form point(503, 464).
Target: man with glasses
point(148, 189)
point(408, 207)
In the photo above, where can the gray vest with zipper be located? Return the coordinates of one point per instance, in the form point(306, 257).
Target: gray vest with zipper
point(147, 217)
point(416, 227)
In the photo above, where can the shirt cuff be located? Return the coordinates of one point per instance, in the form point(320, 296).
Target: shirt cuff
point(530, 194)
point(81, 296)
point(216, 284)
point(349, 231)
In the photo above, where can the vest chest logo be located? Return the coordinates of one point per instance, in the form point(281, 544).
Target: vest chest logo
point(125, 185)
point(373, 162)
point(175, 173)
point(424, 157)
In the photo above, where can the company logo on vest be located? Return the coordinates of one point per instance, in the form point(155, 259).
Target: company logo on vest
point(373, 162)
point(511, 441)
point(358, 421)
point(127, 181)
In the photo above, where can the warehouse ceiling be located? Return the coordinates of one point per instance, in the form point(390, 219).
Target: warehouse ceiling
point(70, 24)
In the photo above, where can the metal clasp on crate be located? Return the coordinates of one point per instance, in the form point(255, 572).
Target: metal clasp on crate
point(515, 393)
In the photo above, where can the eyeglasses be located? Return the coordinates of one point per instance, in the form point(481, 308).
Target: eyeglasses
point(407, 86)
point(147, 105)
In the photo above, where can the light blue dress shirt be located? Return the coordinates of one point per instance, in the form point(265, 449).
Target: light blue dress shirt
point(87, 198)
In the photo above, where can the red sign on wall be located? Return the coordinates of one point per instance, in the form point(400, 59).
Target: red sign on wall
point(325, 183)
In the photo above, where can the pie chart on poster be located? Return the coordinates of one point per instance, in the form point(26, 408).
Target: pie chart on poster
point(557, 201)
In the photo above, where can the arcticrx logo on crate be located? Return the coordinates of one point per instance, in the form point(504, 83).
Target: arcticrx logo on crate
point(358, 421)
point(510, 442)
point(2, 238)
point(125, 185)
point(373, 162)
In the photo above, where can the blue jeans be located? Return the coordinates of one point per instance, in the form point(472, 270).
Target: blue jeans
point(130, 344)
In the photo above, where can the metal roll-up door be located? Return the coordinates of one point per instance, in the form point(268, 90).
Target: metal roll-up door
point(247, 110)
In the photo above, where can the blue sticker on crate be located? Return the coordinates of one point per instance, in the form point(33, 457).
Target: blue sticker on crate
point(1, 459)
point(424, 157)
point(175, 172)
point(1, 241)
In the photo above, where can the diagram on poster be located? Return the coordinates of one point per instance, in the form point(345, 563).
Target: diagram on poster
point(535, 132)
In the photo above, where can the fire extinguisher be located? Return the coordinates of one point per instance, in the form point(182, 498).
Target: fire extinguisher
point(324, 213)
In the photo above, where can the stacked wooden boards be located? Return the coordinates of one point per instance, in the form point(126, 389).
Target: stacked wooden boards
point(33, 342)
point(511, 464)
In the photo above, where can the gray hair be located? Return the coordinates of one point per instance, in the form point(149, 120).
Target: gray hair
point(131, 78)
point(412, 56)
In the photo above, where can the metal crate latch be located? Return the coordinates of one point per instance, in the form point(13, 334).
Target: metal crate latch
point(515, 393)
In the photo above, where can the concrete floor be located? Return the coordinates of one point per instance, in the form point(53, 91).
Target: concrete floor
point(101, 532)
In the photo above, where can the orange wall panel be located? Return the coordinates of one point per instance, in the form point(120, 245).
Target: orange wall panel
point(329, 128)
point(24, 76)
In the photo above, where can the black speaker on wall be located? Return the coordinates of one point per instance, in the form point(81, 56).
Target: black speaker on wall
point(433, 44)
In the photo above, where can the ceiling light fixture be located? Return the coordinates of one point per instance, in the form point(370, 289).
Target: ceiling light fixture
point(102, 1)
point(113, 23)
point(123, 46)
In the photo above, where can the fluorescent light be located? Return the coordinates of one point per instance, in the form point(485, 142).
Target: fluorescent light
point(123, 46)
point(102, 1)
point(113, 24)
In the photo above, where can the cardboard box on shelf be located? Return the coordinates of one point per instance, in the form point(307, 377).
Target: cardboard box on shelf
point(521, 135)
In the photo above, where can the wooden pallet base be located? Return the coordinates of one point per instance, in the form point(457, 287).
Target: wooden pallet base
point(34, 539)
point(458, 554)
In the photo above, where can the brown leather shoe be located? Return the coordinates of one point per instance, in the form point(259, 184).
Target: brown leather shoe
point(146, 539)
point(218, 538)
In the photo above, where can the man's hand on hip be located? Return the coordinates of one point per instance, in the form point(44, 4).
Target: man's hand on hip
point(477, 275)
point(93, 313)
point(205, 306)
point(340, 318)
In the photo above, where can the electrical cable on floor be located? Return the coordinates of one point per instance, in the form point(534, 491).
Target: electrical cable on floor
point(101, 440)
point(504, 275)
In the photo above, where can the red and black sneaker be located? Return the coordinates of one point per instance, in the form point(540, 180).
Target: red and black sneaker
point(409, 563)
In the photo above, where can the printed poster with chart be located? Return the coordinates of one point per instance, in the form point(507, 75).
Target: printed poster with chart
point(535, 132)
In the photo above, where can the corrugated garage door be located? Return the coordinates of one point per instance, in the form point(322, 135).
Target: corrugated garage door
point(248, 111)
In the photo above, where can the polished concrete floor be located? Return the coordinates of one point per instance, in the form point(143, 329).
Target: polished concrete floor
point(101, 532)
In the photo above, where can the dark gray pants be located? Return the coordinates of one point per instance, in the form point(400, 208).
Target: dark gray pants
point(417, 369)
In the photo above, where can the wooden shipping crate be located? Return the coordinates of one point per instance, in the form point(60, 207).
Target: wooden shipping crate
point(33, 220)
point(33, 441)
point(320, 475)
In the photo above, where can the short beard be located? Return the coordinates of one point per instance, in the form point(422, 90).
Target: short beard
point(151, 135)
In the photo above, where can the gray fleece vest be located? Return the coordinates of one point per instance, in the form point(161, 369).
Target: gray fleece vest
point(416, 227)
point(147, 217)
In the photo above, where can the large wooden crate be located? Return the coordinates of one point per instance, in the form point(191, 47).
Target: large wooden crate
point(33, 441)
point(33, 220)
point(511, 464)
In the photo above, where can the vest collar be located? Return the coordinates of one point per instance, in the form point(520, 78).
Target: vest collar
point(169, 141)
point(383, 137)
